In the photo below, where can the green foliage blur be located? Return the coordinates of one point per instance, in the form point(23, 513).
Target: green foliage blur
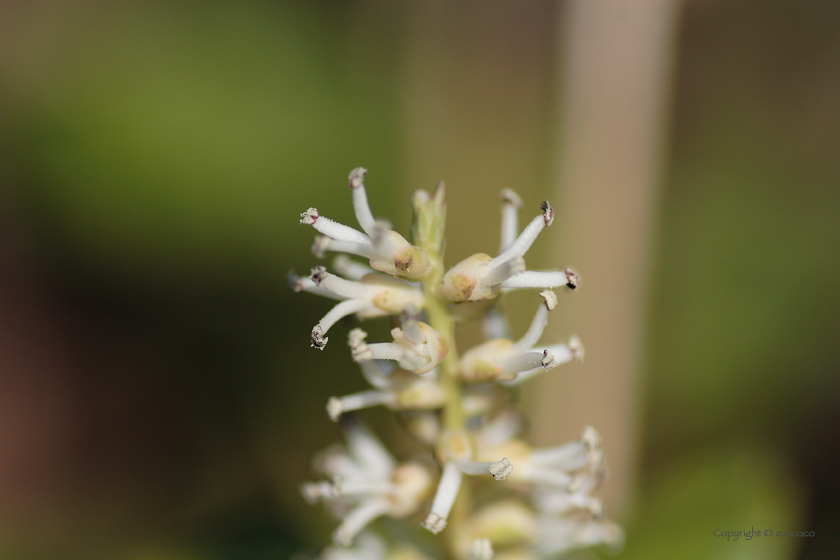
point(163, 401)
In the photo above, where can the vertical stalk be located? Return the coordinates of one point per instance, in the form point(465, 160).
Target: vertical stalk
point(429, 216)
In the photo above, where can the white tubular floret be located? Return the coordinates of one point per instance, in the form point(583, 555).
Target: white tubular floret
point(351, 269)
point(386, 250)
point(481, 277)
point(305, 284)
point(532, 337)
point(401, 390)
point(499, 469)
point(562, 353)
point(416, 357)
point(542, 279)
point(332, 229)
point(447, 491)
point(375, 295)
point(528, 235)
point(361, 207)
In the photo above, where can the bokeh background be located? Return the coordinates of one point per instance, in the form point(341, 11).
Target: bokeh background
point(158, 398)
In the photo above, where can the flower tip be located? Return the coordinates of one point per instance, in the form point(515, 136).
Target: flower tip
point(509, 196)
point(434, 523)
point(359, 350)
point(590, 438)
point(356, 178)
point(550, 299)
point(576, 348)
point(548, 213)
point(572, 279)
point(501, 469)
point(295, 283)
point(320, 246)
point(548, 362)
point(317, 274)
point(319, 341)
point(308, 218)
point(334, 408)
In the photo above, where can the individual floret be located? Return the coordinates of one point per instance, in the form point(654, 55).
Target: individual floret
point(417, 347)
point(456, 454)
point(374, 295)
point(386, 249)
point(366, 483)
point(502, 359)
point(394, 388)
point(481, 277)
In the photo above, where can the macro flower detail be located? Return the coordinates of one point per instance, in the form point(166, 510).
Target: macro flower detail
point(481, 277)
point(502, 359)
point(366, 483)
point(458, 407)
point(374, 295)
point(386, 249)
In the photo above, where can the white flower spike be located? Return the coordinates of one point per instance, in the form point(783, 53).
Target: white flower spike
point(460, 407)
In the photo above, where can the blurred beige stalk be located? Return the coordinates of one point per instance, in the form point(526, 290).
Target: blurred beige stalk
point(478, 97)
point(617, 66)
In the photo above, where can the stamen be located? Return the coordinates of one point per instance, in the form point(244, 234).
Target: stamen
point(350, 269)
point(511, 204)
point(499, 469)
point(343, 309)
point(542, 279)
point(360, 200)
point(527, 237)
point(331, 228)
point(547, 476)
point(343, 246)
point(447, 490)
point(386, 351)
point(376, 372)
point(561, 354)
point(342, 287)
point(359, 518)
point(502, 272)
point(337, 406)
point(560, 455)
point(361, 488)
point(513, 365)
point(305, 284)
point(538, 324)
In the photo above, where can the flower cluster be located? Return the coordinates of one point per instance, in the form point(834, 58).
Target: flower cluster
point(457, 405)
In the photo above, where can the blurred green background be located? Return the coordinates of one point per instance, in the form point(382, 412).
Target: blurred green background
point(158, 398)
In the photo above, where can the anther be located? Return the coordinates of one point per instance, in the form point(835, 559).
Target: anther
point(548, 213)
point(357, 177)
point(309, 217)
